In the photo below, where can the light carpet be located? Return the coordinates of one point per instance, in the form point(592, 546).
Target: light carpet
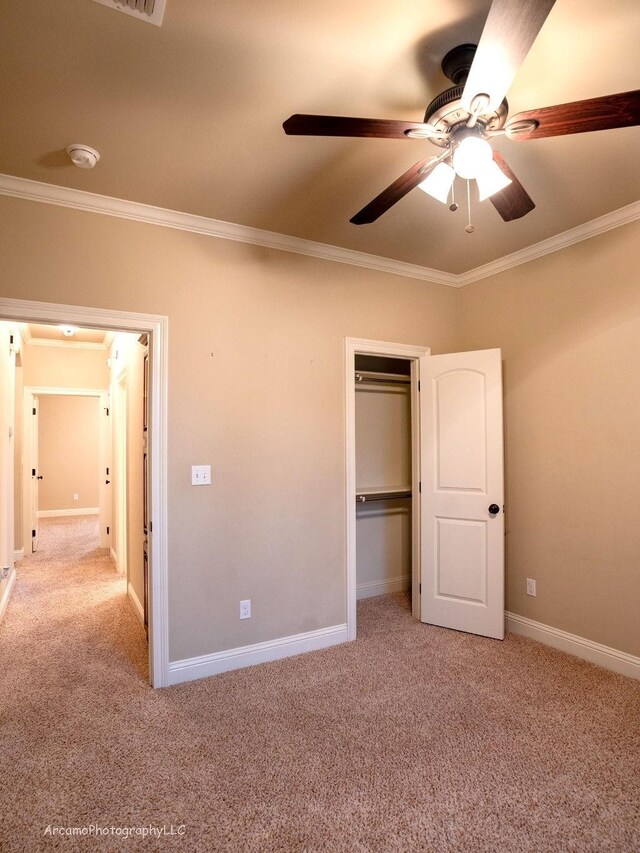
point(412, 738)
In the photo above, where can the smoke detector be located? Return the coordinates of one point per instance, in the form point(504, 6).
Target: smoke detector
point(83, 156)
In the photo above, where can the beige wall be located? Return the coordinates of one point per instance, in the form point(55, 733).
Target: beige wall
point(68, 448)
point(65, 367)
point(256, 388)
point(569, 328)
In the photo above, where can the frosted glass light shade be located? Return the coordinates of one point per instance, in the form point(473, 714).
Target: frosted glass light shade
point(490, 180)
point(439, 182)
point(471, 157)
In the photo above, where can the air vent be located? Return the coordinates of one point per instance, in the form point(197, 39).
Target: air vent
point(147, 10)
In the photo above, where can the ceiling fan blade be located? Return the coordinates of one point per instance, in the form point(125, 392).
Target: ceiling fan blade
point(380, 128)
point(604, 113)
point(513, 201)
point(509, 31)
point(398, 189)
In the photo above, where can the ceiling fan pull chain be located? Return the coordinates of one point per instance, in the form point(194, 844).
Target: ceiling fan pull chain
point(453, 206)
point(469, 228)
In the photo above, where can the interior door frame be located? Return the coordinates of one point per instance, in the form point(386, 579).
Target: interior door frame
point(157, 327)
point(362, 346)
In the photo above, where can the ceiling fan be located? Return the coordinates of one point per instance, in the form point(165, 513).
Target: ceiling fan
point(464, 117)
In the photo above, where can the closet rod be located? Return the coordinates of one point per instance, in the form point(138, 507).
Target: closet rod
point(386, 378)
point(381, 496)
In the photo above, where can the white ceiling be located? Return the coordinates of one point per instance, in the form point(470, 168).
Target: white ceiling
point(188, 116)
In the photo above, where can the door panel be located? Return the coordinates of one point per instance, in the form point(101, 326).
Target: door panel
point(462, 475)
point(461, 569)
point(106, 476)
point(460, 424)
point(35, 474)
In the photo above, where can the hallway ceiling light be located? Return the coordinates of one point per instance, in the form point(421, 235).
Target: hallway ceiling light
point(68, 331)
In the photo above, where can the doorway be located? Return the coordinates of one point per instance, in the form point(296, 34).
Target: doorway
point(410, 356)
point(66, 450)
point(156, 329)
point(120, 471)
point(384, 495)
point(457, 507)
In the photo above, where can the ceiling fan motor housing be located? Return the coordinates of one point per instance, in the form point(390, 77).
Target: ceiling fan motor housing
point(457, 63)
point(445, 112)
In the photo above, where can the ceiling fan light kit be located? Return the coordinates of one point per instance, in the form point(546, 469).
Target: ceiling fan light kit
point(438, 184)
point(491, 180)
point(471, 156)
point(462, 119)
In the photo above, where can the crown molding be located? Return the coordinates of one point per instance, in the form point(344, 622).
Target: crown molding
point(25, 188)
point(80, 200)
point(615, 219)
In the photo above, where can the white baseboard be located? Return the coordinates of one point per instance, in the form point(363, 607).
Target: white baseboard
point(612, 659)
point(213, 664)
point(4, 600)
point(54, 513)
point(133, 598)
point(397, 584)
point(18, 555)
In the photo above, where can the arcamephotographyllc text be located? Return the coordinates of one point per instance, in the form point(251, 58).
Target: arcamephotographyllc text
point(96, 831)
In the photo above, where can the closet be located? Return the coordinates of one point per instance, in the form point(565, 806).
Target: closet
point(383, 475)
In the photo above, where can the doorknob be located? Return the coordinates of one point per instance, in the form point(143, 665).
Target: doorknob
point(107, 482)
point(494, 509)
point(40, 476)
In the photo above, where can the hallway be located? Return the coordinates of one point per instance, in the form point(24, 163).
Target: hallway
point(74, 583)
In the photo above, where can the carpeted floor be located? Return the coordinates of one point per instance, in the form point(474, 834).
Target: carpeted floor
point(412, 738)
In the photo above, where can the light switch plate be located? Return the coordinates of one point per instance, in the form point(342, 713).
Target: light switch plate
point(201, 475)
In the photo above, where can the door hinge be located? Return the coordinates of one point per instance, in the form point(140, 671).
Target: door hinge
point(106, 408)
point(107, 529)
point(418, 384)
point(33, 411)
point(107, 472)
point(150, 527)
point(420, 588)
point(33, 472)
point(33, 534)
point(420, 486)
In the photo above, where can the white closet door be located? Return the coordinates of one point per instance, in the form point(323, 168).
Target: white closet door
point(462, 519)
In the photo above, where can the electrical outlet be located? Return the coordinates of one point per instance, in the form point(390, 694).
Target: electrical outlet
point(245, 609)
point(531, 586)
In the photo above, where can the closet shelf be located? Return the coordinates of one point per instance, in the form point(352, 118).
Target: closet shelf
point(365, 495)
